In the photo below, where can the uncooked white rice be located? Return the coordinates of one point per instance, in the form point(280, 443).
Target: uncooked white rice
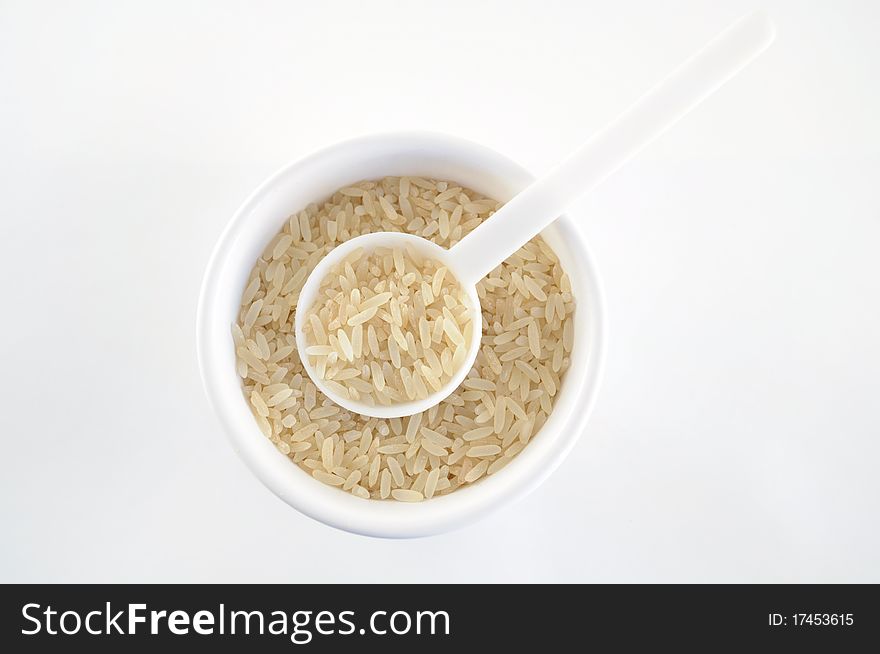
point(527, 338)
point(397, 298)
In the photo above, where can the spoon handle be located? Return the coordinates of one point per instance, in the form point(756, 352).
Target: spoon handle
point(540, 203)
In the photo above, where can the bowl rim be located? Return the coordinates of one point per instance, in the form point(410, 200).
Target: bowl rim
point(343, 510)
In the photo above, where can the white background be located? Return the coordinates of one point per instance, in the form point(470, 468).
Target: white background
point(737, 433)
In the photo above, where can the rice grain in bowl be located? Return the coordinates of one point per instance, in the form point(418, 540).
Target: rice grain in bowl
point(424, 157)
point(527, 308)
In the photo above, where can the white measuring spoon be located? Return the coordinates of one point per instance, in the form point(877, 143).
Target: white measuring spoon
point(487, 246)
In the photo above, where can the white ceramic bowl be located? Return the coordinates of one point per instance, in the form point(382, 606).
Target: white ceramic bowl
point(313, 179)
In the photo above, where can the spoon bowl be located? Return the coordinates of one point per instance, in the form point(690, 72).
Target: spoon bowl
point(310, 295)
